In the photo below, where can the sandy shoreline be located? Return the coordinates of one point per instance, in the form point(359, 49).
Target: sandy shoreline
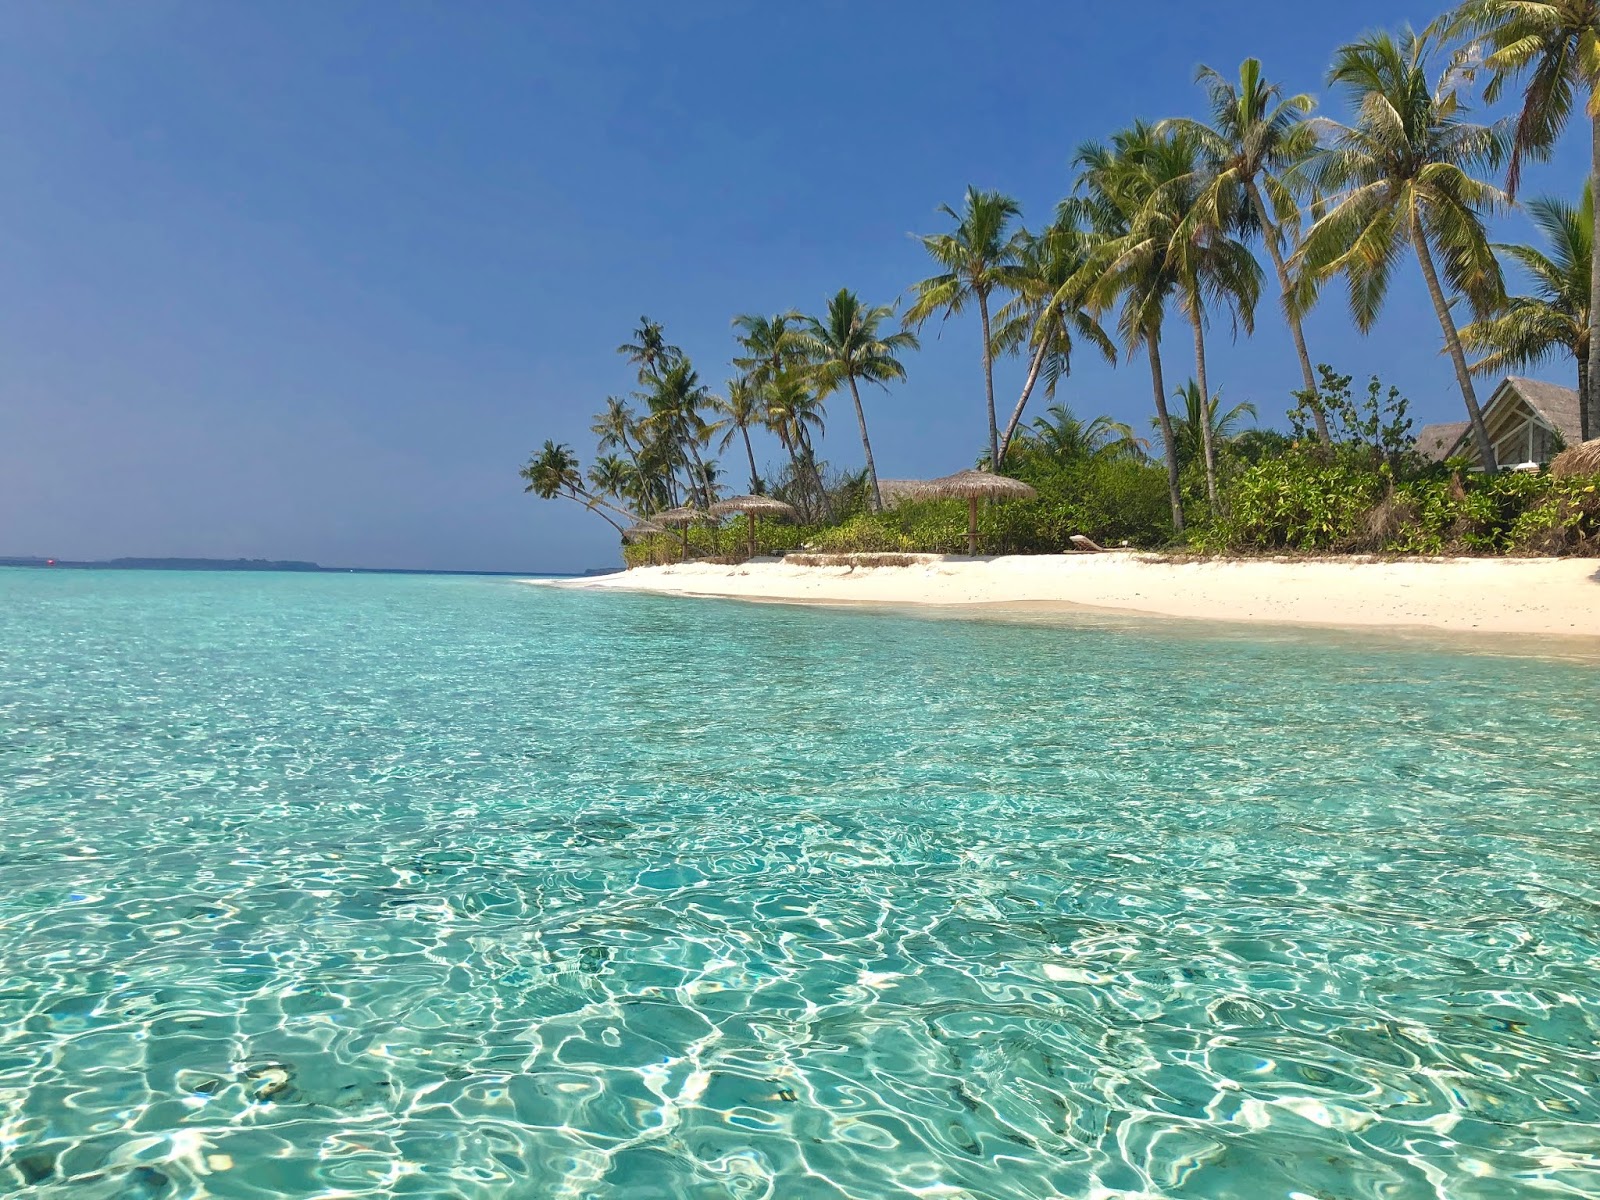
point(1557, 596)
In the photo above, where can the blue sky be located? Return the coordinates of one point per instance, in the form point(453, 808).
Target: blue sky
point(309, 280)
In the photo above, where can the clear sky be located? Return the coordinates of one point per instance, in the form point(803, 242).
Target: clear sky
point(309, 280)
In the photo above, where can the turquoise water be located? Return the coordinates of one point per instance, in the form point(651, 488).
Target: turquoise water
point(363, 886)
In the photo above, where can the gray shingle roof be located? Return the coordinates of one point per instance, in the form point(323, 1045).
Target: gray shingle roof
point(1434, 442)
point(1556, 404)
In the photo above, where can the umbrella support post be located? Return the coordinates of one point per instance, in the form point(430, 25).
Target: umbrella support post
point(972, 527)
point(750, 518)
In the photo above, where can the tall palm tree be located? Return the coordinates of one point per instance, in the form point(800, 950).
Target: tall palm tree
point(675, 419)
point(1137, 272)
point(771, 345)
point(1053, 278)
point(979, 257)
point(650, 351)
point(1556, 44)
point(1214, 268)
point(1402, 173)
point(845, 347)
point(1194, 429)
point(741, 408)
point(1555, 320)
point(1255, 135)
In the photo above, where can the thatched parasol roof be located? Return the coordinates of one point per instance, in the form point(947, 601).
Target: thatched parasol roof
point(898, 491)
point(643, 529)
point(764, 506)
point(678, 516)
point(980, 485)
point(1582, 459)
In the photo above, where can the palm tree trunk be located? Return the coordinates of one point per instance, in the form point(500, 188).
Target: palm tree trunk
point(1152, 343)
point(1452, 342)
point(755, 480)
point(874, 500)
point(799, 476)
point(1589, 402)
point(816, 475)
point(1583, 392)
point(1207, 449)
point(988, 382)
point(1269, 234)
point(1034, 368)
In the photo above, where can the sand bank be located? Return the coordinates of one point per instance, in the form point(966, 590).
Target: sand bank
point(1513, 596)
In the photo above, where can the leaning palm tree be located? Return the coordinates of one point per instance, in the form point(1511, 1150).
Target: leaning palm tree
point(1050, 312)
point(1554, 321)
point(845, 346)
point(1556, 44)
point(1402, 173)
point(1137, 272)
point(979, 257)
point(1256, 134)
point(739, 410)
point(553, 472)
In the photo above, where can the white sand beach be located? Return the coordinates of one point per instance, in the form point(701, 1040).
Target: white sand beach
point(1501, 595)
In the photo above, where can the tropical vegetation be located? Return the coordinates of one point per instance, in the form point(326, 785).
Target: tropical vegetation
point(1182, 220)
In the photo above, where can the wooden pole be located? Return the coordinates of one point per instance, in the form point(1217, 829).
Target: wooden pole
point(750, 519)
point(972, 526)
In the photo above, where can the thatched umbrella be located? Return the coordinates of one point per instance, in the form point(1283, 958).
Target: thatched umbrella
point(978, 485)
point(751, 507)
point(1582, 459)
point(641, 530)
point(898, 491)
point(683, 518)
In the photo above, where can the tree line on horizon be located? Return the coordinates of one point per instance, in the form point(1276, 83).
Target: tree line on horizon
point(1162, 223)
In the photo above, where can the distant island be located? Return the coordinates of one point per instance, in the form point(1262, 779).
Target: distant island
point(243, 564)
point(169, 564)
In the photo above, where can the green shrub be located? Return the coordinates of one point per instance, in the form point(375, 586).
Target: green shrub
point(1312, 499)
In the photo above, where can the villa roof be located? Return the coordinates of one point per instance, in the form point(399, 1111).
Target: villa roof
point(1553, 404)
point(1434, 442)
point(1556, 404)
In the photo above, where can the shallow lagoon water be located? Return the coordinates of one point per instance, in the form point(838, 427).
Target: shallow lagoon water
point(378, 886)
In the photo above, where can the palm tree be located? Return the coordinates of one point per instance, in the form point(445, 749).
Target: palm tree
point(1255, 135)
point(675, 421)
point(1136, 271)
point(1063, 436)
point(740, 408)
point(1555, 320)
point(793, 412)
point(979, 256)
point(845, 347)
point(1402, 173)
point(1053, 278)
point(1215, 427)
point(553, 472)
point(1213, 267)
point(1557, 44)
point(771, 345)
point(650, 350)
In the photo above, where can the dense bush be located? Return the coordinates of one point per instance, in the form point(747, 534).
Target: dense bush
point(1110, 499)
point(1314, 500)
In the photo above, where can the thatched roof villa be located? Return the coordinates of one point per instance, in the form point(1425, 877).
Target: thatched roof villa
point(1529, 422)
